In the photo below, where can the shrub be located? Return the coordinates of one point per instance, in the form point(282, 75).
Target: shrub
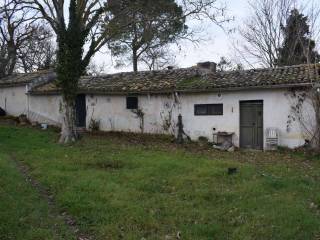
point(94, 125)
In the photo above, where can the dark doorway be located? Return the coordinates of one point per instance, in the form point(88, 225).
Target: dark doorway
point(81, 111)
point(251, 124)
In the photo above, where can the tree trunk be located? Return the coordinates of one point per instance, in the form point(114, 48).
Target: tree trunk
point(12, 56)
point(135, 61)
point(68, 130)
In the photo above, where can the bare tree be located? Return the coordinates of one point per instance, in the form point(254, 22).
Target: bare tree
point(17, 27)
point(159, 58)
point(25, 45)
point(261, 35)
point(39, 52)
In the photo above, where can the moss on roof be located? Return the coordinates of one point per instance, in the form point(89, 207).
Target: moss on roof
point(23, 78)
point(193, 80)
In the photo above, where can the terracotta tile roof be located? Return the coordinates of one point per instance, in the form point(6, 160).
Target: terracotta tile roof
point(24, 78)
point(194, 80)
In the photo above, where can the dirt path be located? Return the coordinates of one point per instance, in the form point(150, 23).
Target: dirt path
point(49, 198)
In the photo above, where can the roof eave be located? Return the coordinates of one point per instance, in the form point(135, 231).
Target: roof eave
point(13, 84)
point(166, 91)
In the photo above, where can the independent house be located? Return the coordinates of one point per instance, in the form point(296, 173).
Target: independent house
point(244, 104)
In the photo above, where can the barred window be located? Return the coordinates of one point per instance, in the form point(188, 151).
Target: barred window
point(208, 109)
point(132, 102)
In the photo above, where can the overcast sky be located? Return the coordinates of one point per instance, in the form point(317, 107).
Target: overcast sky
point(217, 43)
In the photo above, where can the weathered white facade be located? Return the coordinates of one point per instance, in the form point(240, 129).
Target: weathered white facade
point(44, 109)
point(161, 112)
point(157, 112)
point(113, 116)
point(13, 99)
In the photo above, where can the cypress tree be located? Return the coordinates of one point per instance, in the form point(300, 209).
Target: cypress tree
point(297, 47)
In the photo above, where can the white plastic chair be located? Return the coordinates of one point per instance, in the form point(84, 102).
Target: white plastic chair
point(272, 138)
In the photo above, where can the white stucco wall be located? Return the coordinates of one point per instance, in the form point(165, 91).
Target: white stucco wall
point(44, 109)
point(14, 100)
point(113, 116)
point(276, 108)
point(112, 113)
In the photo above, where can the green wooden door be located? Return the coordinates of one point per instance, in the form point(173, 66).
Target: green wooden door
point(251, 124)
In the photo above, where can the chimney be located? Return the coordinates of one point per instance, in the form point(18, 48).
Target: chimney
point(170, 67)
point(208, 67)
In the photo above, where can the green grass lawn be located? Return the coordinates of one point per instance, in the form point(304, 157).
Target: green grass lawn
point(123, 187)
point(23, 215)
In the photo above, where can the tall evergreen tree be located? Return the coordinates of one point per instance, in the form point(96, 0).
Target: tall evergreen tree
point(297, 47)
point(150, 24)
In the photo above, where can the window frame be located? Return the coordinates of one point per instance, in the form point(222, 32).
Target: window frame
point(128, 106)
point(209, 112)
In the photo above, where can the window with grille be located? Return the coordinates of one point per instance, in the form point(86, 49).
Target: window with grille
point(208, 109)
point(132, 102)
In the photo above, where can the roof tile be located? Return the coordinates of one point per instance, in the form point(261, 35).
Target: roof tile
point(192, 79)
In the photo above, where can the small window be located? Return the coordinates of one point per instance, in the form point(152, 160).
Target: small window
point(208, 109)
point(132, 103)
